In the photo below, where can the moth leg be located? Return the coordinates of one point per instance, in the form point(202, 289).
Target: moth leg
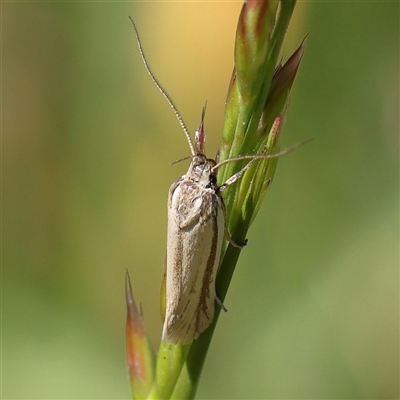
point(236, 176)
point(232, 242)
point(220, 303)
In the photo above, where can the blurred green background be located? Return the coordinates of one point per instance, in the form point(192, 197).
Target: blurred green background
point(87, 142)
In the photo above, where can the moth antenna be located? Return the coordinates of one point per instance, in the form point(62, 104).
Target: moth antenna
point(161, 89)
point(179, 160)
point(261, 156)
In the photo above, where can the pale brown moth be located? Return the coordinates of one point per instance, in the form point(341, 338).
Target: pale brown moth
point(196, 231)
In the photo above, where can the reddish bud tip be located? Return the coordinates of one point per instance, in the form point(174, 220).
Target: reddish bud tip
point(139, 354)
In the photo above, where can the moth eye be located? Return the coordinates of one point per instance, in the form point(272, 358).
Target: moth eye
point(213, 179)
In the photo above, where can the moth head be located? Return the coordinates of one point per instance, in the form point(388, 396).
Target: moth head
point(201, 170)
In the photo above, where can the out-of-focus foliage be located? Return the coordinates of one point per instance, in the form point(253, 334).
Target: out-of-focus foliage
point(87, 142)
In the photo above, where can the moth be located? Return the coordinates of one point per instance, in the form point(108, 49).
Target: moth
point(195, 234)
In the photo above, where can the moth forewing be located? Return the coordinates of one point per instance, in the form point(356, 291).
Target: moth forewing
point(196, 223)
